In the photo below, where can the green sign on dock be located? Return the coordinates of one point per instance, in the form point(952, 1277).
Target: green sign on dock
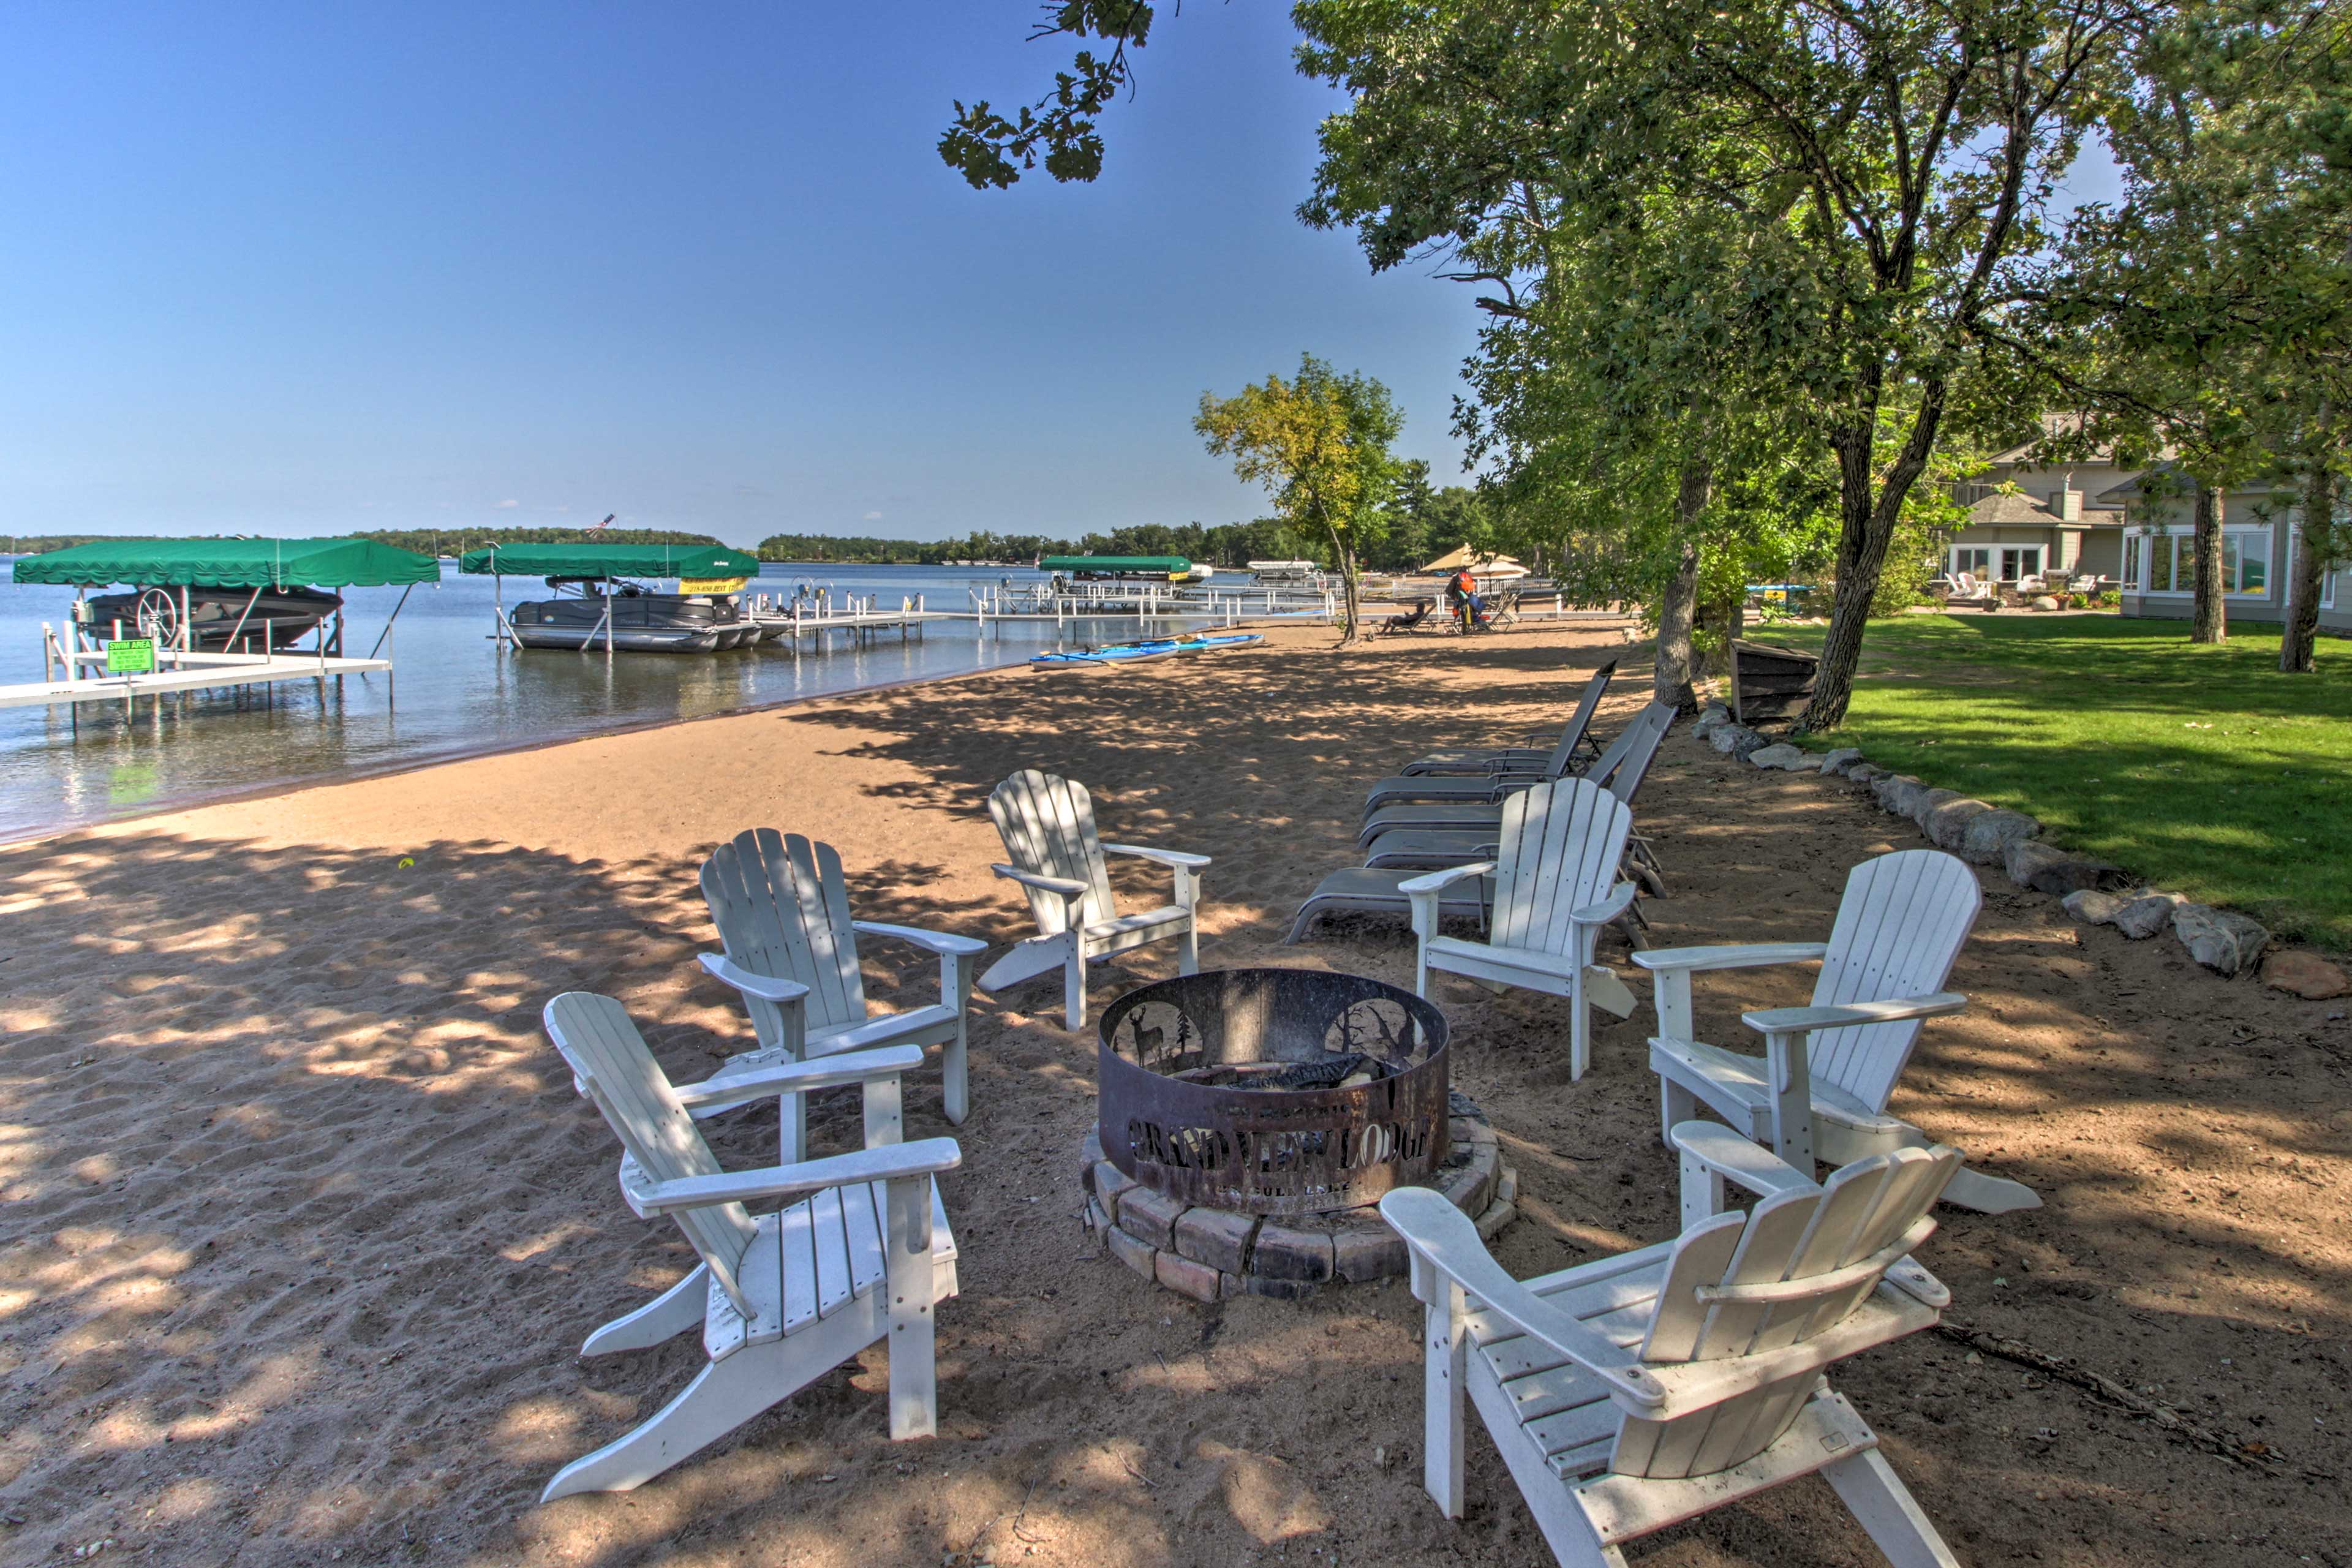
point(131, 656)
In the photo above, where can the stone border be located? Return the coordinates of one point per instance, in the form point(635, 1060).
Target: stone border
point(2093, 891)
point(1214, 1254)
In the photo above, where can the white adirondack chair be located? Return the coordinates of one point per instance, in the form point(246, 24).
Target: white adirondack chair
point(1048, 827)
point(1561, 843)
point(862, 1251)
point(1636, 1391)
point(1828, 1070)
point(782, 907)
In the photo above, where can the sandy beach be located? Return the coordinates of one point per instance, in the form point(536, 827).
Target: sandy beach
point(301, 1222)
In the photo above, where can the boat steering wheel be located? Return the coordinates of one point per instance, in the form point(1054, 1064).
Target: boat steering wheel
point(157, 615)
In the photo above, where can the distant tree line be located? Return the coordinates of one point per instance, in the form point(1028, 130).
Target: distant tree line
point(1424, 522)
point(458, 541)
point(42, 544)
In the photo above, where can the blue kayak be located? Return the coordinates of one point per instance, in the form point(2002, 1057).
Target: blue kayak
point(1136, 652)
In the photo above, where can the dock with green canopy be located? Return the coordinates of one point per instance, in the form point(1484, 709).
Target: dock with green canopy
point(81, 664)
point(1172, 567)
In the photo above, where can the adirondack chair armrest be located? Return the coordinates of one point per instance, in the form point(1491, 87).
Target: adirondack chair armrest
point(1620, 900)
point(888, 1161)
point(835, 1071)
point(1779, 1021)
point(1735, 1157)
point(767, 988)
point(1738, 955)
point(1174, 859)
point(946, 945)
point(1446, 1238)
point(1067, 886)
point(1438, 881)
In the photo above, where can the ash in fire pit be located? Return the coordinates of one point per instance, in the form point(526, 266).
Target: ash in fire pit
point(1273, 1091)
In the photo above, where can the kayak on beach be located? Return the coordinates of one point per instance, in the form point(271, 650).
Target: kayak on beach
point(1136, 652)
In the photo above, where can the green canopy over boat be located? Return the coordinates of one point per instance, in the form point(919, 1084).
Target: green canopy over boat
point(1172, 565)
point(592, 560)
point(230, 563)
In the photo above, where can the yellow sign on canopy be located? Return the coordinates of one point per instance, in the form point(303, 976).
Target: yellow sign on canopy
point(712, 584)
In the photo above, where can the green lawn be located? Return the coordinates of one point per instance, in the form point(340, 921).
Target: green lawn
point(2202, 769)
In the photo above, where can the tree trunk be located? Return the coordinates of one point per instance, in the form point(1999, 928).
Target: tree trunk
point(1672, 684)
point(1868, 512)
point(2209, 622)
point(1349, 587)
point(2298, 647)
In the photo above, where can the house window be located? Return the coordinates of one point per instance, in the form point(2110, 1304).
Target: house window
point(2134, 554)
point(1971, 559)
point(2169, 565)
point(2017, 562)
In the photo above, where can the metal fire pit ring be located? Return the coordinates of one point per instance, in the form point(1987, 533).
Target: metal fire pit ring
point(1272, 1150)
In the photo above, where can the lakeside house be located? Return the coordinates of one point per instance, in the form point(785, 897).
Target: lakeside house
point(2262, 526)
point(2058, 518)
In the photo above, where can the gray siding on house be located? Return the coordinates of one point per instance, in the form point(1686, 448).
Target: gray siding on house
point(2155, 522)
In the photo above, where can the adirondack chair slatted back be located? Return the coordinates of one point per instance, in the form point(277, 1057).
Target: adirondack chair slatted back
point(782, 907)
point(1560, 846)
point(1641, 741)
point(1902, 921)
point(1048, 827)
point(615, 1070)
point(1564, 753)
point(1868, 1207)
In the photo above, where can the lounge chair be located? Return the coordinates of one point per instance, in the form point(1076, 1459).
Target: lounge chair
point(1413, 621)
point(1635, 747)
point(1636, 1391)
point(1047, 825)
point(860, 1255)
point(1575, 736)
point(1967, 590)
point(1828, 1070)
point(782, 907)
point(1555, 888)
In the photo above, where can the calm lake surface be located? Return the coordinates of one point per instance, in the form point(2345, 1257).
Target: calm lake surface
point(453, 692)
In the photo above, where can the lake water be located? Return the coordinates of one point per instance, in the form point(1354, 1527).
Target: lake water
point(453, 692)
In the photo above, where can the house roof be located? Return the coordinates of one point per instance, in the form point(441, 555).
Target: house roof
point(2012, 507)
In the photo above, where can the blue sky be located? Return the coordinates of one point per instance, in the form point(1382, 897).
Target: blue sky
point(298, 269)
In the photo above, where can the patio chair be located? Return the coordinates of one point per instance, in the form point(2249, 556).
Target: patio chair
point(1822, 1087)
point(1416, 619)
point(782, 906)
point(861, 1254)
point(1642, 1390)
point(1627, 759)
point(1534, 757)
point(1966, 589)
point(1561, 845)
point(1047, 825)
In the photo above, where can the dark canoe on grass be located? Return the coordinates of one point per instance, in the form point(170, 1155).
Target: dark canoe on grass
point(1771, 683)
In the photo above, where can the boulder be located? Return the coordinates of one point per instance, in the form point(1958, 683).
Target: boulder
point(1844, 757)
point(1786, 758)
point(1946, 823)
point(2046, 869)
point(1712, 716)
point(2045, 602)
point(2144, 916)
point(1986, 838)
point(1929, 800)
point(1865, 772)
point(1897, 793)
point(2222, 941)
point(1736, 740)
point(2304, 974)
point(2093, 908)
